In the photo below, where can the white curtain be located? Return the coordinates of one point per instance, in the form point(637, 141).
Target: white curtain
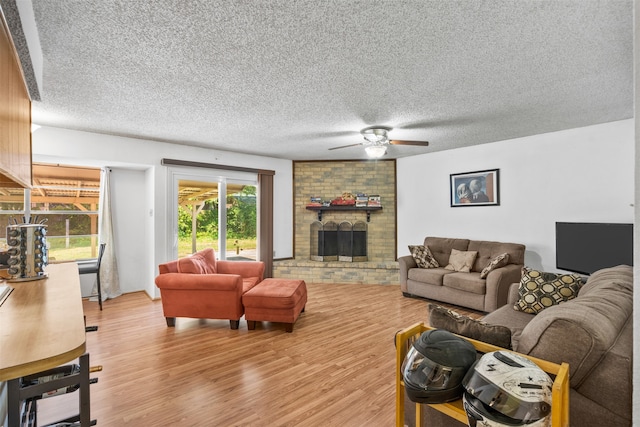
point(109, 281)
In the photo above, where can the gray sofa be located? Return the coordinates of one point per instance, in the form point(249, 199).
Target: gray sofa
point(463, 289)
point(593, 333)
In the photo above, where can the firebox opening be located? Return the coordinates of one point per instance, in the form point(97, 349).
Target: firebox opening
point(344, 242)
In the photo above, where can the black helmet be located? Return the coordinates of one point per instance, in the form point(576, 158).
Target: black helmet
point(435, 365)
point(506, 389)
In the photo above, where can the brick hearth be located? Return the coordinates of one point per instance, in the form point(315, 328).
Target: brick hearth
point(338, 272)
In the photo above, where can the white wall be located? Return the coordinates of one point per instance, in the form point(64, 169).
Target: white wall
point(129, 213)
point(140, 193)
point(584, 174)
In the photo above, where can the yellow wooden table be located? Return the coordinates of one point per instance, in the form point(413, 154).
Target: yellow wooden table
point(41, 327)
point(559, 394)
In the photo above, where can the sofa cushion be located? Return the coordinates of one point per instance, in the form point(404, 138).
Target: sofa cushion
point(488, 250)
point(423, 257)
point(443, 318)
point(539, 290)
point(432, 276)
point(461, 260)
point(468, 282)
point(499, 261)
point(512, 319)
point(201, 262)
point(441, 247)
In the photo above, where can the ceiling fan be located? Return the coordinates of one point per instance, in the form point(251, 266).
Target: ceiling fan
point(376, 141)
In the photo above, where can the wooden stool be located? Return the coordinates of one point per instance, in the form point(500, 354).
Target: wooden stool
point(275, 300)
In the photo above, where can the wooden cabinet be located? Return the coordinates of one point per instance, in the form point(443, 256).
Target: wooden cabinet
point(559, 394)
point(15, 117)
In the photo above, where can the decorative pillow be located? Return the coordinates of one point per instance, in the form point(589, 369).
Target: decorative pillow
point(499, 261)
point(461, 260)
point(423, 256)
point(202, 262)
point(442, 318)
point(539, 290)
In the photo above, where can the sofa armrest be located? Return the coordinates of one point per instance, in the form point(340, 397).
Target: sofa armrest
point(186, 281)
point(404, 264)
point(243, 268)
point(513, 296)
point(498, 285)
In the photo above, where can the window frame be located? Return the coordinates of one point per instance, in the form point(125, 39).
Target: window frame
point(83, 193)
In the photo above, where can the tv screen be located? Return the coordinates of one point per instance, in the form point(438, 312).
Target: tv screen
point(583, 247)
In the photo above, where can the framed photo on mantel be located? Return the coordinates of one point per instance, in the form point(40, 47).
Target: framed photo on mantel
point(479, 188)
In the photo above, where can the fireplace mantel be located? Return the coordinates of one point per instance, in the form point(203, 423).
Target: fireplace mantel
point(367, 209)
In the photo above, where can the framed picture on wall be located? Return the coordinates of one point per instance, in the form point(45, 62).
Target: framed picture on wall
point(479, 188)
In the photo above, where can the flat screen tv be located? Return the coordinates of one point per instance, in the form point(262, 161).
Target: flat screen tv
point(584, 247)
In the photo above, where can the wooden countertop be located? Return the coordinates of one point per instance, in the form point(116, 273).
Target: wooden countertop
point(42, 323)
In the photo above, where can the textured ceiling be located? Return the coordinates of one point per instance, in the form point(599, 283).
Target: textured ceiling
point(292, 79)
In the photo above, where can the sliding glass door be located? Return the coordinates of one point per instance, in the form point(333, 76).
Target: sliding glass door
point(218, 212)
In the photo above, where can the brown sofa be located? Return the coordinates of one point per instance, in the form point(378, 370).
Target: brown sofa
point(593, 333)
point(201, 287)
point(463, 289)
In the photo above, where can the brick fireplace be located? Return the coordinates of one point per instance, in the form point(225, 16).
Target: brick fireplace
point(329, 180)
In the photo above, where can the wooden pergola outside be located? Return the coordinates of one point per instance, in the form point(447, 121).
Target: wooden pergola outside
point(192, 195)
point(78, 188)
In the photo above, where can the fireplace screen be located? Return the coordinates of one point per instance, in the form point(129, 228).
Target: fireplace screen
point(344, 242)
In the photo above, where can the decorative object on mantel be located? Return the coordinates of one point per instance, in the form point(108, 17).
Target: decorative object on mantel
point(480, 188)
point(347, 199)
point(361, 200)
point(315, 201)
point(374, 200)
point(346, 202)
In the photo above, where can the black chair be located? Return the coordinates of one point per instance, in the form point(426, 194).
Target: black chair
point(94, 267)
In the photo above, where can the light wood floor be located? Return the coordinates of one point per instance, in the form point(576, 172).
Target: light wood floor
point(337, 368)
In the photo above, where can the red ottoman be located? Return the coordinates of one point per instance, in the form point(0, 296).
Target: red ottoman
point(275, 300)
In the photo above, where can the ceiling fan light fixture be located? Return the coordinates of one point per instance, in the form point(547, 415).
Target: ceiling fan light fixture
point(375, 135)
point(375, 151)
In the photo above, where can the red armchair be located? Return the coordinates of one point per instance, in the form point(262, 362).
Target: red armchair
point(201, 287)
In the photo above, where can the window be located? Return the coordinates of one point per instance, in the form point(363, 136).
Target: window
point(66, 199)
point(200, 216)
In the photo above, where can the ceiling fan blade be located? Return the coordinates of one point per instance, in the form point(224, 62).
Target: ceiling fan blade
point(345, 146)
point(398, 142)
